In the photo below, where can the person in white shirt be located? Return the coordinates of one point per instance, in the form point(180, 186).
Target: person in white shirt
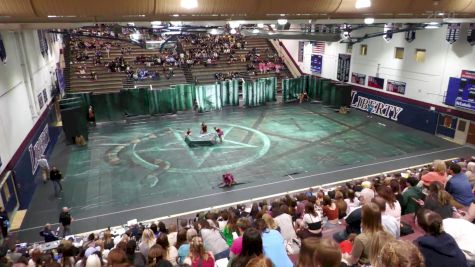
point(352, 202)
point(284, 221)
point(44, 165)
point(390, 224)
point(463, 232)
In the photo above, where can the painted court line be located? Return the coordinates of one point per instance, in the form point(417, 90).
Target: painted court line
point(246, 188)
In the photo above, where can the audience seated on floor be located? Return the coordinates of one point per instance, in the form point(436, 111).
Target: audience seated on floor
point(301, 230)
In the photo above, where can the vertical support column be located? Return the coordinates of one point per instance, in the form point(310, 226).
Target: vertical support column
point(26, 72)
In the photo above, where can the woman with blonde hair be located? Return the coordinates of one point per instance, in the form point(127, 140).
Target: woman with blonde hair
point(108, 241)
point(370, 225)
point(399, 253)
point(438, 173)
point(270, 222)
point(379, 240)
point(148, 240)
point(198, 256)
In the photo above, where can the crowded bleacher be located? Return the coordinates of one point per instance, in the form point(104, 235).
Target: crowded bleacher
point(416, 217)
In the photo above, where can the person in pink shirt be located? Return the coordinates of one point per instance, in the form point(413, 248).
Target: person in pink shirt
point(438, 173)
point(236, 247)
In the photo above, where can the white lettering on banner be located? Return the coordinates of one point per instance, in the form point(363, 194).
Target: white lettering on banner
point(38, 148)
point(379, 108)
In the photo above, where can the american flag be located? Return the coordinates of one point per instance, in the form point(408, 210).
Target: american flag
point(318, 48)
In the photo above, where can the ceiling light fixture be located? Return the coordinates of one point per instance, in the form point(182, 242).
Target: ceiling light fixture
point(281, 21)
point(232, 31)
point(368, 20)
point(440, 14)
point(362, 4)
point(175, 15)
point(189, 4)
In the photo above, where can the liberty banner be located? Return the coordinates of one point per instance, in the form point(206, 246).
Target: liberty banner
point(316, 64)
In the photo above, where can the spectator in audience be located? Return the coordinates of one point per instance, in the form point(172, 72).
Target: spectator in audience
point(260, 262)
point(183, 245)
point(156, 257)
point(390, 224)
point(459, 187)
point(229, 230)
point(353, 220)
point(270, 222)
point(154, 228)
point(134, 258)
point(438, 173)
point(108, 241)
point(48, 234)
point(172, 233)
point(393, 208)
point(399, 253)
point(170, 253)
point(213, 240)
point(411, 195)
point(438, 200)
point(352, 201)
point(437, 247)
point(273, 245)
point(380, 239)
point(117, 257)
point(162, 228)
point(396, 188)
point(463, 233)
point(236, 247)
point(198, 256)
point(340, 204)
point(326, 254)
point(330, 211)
point(311, 225)
point(370, 225)
point(148, 240)
point(284, 221)
point(251, 247)
point(309, 246)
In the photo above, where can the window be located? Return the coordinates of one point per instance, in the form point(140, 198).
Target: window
point(420, 55)
point(399, 52)
point(363, 50)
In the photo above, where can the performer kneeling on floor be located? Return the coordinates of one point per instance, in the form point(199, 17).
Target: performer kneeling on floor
point(228, 179)
point(188, 133)
point(220, 134)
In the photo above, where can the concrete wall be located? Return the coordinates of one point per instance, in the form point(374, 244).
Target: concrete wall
point(26, 74)
point(425, 81)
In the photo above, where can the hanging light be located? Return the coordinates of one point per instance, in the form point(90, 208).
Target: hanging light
point(189, 4)
point(368, 20)
point(362, 4)
point(281, 21)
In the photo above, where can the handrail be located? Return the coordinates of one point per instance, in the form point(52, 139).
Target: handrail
point(288, 60)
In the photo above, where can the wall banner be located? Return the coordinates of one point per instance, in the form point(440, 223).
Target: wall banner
point(396, 87)
point(358, 78)
point(316, 64)
point(343, 71)
point(375, 82)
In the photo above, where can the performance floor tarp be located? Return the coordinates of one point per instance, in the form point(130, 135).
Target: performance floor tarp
point(135, 169)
